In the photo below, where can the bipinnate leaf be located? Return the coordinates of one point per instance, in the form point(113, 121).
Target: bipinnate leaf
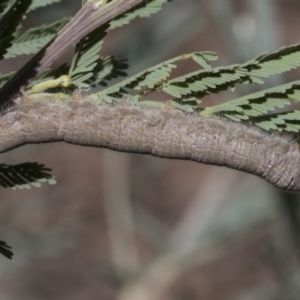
point(210, 81)
point(142, 10)
point(274, 62)
point(203, 82)
point(35, 39)
point(10, 22)
point(286, 121)
point(86, 57)
point(107, 69)
point(257, 104)
point(24, 175)
point(41, 3)
point(153, 79)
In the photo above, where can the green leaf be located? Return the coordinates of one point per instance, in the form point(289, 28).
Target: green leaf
point(257, 104)
point(42, 3)
point(287, 121)
point(274, 62)
point(203, 58)
point(209, 81)
point(86, 57)
point(9, 23)
point(107, 68)
point(149, 80)
point(142, 10)
point(203, 82)
point(35, 39)
point(24, 175)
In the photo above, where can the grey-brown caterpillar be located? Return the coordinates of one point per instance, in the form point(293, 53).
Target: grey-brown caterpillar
point(162, 133)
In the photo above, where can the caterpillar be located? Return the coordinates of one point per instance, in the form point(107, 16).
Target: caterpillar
point(162, 133)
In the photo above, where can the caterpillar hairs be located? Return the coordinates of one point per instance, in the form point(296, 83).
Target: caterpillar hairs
point(160, 132)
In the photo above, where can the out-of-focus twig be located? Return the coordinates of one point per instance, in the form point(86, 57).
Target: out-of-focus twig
point(116, 196)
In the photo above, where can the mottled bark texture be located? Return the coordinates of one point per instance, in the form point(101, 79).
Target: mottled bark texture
point(162, 133)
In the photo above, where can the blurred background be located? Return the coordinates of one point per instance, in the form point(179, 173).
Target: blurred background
point(134, 227)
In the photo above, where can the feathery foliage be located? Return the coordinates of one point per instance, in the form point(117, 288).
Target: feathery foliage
point(265, 101)
point(287, 121)
point(35, 39)
point(24, 175)
point(41, 3)
point(86, 57)
point(107, 68)
point(198, 84)
point(85, 72)
point(152, 79)
point(259, 103)
point(201, 83)
point(10, 22)
point(88, 69)
point(145, 9)
point(274, 62)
